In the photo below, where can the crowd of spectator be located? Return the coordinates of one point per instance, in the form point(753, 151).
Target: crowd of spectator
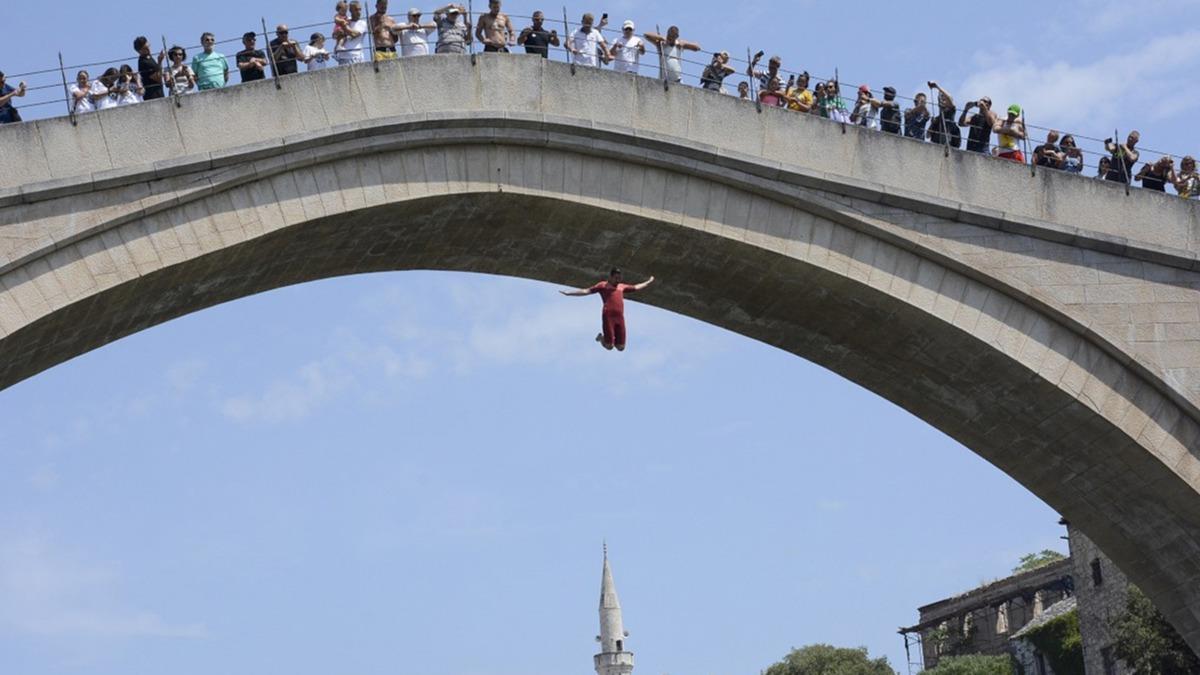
point(381, 37)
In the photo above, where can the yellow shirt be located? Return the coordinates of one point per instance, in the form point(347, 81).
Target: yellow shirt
point(804, 96)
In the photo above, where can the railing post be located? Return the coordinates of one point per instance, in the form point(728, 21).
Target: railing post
point(1025, 127)
point(662, 58)
point(270, 54)
point(750, 79)
point(470, 36)
point(942, 121)
point(66, 92)
point(371, 41)
point(567, 40)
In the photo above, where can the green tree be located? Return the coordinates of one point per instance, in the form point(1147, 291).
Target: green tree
point(1148, 643)
point(974, 664)
point(1032, 561)
point(830, 660)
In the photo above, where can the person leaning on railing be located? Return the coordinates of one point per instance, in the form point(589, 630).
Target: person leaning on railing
point(210, 66)
point(536, 39)
point(1187, 181)
point(149, 69)
point(454, 32)
point(180, 78)
point(251, 61)
point(414, 35)
point(716, 71)
point(8, 113)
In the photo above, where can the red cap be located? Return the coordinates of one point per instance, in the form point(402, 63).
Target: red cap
point(864, 88)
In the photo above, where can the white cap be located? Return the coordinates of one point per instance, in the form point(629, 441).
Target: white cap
point(627, 24)
point(414, 10)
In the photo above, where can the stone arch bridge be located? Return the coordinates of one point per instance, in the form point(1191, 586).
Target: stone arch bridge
point(1049, 322)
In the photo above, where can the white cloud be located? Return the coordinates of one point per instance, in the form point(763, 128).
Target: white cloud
point(291, 398)
point(831, 505)
point(45, 477)
point(1152, 82)
point(45, 592)
point(183, 375)
point(1107, 16)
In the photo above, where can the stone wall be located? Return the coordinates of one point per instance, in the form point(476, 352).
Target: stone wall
point(1101, 589)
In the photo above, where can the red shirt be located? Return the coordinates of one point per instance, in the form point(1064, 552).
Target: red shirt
point(613, 296)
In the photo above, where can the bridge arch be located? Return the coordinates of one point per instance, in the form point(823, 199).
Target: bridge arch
point(1033, 384)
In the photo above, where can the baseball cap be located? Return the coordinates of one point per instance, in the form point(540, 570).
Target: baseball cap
point(1014, 109)
point(627, 24)
point(864, 89)
point(414, 10)
point(889, 91)
point(452, 10)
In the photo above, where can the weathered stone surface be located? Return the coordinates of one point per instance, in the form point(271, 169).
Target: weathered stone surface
point(1049, 323)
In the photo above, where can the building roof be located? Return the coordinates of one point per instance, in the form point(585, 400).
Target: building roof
point(1050, 575)
point(1060, 608)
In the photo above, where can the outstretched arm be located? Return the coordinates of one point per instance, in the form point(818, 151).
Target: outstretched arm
point(578, 292)
point(638, 287)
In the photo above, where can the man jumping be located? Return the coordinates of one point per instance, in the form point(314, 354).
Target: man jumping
point(612, 317)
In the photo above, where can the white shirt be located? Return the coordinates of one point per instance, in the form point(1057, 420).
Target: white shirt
point(415, 42)
point(130, 96)
point(316, 58)
point(85, 104)
point(585, 45)
point(180, 75)
point(352, 47)
point(672, 54)
point(628, 53)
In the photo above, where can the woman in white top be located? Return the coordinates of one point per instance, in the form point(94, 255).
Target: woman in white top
point(129, 86)
point(180, 78)
point(314, 54)
point(84, 93)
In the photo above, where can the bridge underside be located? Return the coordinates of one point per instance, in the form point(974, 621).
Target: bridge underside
point(1047, 439)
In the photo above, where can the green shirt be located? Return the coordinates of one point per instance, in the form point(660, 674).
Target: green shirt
point(210, 70)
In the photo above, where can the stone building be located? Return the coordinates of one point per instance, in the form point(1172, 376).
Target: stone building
point(1030, 660)
point(613, 659)
point(982, 620)
point(997, 617)
point(1102, 591)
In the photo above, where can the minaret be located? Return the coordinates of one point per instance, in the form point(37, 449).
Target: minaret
point(612, 659)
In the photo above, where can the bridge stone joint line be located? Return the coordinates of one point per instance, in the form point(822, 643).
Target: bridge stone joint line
point(1058, 338)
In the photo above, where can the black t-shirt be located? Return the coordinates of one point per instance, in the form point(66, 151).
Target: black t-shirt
point(253, 73)
point(1043, 160)
point(889, 116)
point(945, 124)
point(914, 122)
point(979, 134)
point(538, 42)
point(147, 68)
point(1151, 180)
point(285, 59)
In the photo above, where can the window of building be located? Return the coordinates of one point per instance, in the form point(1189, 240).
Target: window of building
point(1097, 577)
point(619, 643)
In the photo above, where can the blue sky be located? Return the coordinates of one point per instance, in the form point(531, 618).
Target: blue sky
point(414, 472)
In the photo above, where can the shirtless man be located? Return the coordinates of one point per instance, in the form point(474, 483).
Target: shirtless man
point(383, 29)
point(612, 317)
point(495, 29)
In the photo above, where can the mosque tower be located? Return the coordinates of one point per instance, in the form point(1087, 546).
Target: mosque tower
point(612, 659)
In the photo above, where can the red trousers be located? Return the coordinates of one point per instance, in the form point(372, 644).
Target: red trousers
point(613, 328)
